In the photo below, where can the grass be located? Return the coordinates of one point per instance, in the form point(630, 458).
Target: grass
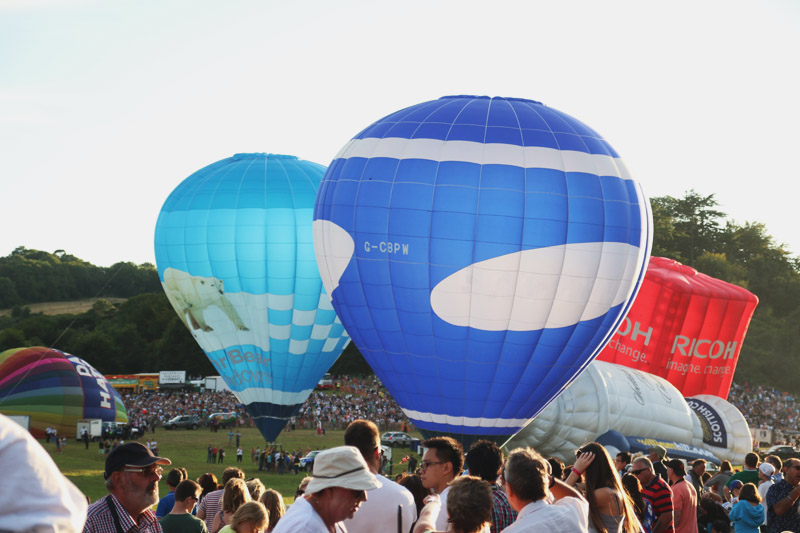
point(63, 308)
point(188, 449)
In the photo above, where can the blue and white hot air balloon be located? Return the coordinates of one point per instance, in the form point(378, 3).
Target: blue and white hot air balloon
point(235, 255)
point(480, 251)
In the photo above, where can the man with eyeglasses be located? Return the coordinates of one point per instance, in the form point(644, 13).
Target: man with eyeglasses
point(441, 464)
point(180, 519)
point(783, 500)
point(132, 474)
point(657, 492)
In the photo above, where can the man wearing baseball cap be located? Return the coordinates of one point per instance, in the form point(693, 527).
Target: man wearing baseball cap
point(132, 474)
point(684, 498)
point(658, 456)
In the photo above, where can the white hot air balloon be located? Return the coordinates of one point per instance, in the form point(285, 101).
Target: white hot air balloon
point(645, 410)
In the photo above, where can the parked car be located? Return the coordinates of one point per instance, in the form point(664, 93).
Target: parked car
point(396, 438)
point(308, 460)
point(782, 451)
point(325, 383)
point(183, 421)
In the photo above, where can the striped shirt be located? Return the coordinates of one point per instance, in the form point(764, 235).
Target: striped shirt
point(211, 504)
point(658, 493)
point(100, 519)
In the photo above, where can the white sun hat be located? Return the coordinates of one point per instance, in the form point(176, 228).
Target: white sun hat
point(343, 467)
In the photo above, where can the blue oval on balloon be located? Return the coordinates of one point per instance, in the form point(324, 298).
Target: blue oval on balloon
point(235, 255)
point(480, 251)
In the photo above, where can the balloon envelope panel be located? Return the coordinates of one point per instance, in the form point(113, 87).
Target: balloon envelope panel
point(609, 397)
point(686, 327)
point(235, 256)
point(479, 251)
point(55, 389)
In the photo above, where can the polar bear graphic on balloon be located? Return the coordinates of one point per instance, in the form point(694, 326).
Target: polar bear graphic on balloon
point(192, 295)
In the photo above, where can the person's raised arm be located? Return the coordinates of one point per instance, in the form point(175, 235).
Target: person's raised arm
point(559, 489)
point(428, 514)
point(784, 505)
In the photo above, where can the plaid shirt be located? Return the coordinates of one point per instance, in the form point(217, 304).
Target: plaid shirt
point(503, 515)
point(99, 519)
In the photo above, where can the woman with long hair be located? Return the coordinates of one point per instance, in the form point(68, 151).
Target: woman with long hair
point(273, 501)
point(610, 507)
point(208, 482)
point(642, 508)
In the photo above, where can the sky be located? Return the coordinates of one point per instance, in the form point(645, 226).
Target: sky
point(106, 106)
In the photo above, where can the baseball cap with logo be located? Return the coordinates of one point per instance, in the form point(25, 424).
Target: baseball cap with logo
point(131, 454)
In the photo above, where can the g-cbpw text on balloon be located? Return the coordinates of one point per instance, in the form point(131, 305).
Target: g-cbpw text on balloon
point(386, 247)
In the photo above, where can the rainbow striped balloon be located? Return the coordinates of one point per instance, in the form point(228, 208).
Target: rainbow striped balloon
point(55, 389)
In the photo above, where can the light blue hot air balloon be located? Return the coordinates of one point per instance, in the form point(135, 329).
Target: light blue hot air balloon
point(235, 256)
point(480, 251)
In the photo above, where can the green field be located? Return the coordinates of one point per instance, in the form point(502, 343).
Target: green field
point(188, 449)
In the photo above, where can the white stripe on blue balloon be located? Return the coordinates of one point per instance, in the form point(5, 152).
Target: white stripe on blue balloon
point(486, 154)
point(466, 421)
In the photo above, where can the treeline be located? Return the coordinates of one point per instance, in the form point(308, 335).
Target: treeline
point(33, 276)
point(144, 334)
point(141, 334)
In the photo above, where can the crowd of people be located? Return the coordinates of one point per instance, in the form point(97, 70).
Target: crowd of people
point(766, 407)
point(480, 490)
point(355, 398)
point(475, 490)
point(366, 398)
point(358, 398)
point(147, 410)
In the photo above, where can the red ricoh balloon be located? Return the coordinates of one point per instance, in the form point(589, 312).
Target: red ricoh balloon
point(684, 326)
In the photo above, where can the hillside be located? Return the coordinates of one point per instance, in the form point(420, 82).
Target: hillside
point(64, 308)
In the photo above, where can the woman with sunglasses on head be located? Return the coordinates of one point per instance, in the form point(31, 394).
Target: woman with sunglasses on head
point(337, 488)
point(610, 507)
